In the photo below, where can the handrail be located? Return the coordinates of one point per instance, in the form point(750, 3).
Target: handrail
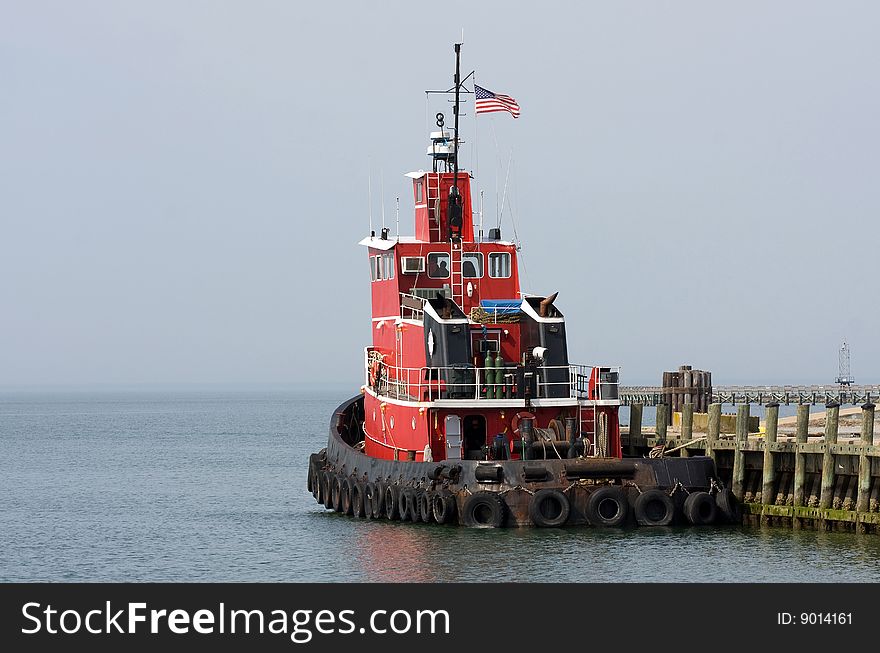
point(470, 382)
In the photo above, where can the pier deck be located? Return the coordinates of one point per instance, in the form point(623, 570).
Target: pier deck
point(810, 471)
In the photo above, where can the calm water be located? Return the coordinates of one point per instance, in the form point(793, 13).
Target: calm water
point(211, 487)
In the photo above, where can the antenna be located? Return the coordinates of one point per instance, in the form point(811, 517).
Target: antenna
point(504, 194)
point(370, 195)
point(844, 377)
point(382, 191)
point(397, 227)
point(481, 215)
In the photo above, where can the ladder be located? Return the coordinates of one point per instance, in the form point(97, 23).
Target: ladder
point(456, 278)
point(434, 208)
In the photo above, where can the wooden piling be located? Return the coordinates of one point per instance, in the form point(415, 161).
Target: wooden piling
point(803, 422)
point(635, 420)
point(768, 496)
point(832, 412)
point(742, 435)
point(687, 426)
point(864, 487)
point(662, 415)
point(713, 429)
point(635, 426)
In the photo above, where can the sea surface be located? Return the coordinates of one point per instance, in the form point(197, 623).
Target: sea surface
point(211, 486)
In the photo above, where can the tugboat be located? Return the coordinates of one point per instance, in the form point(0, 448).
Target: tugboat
point(471, 412)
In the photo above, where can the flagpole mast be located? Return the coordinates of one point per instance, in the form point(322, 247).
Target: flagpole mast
point(454, 198)
point(455, 111)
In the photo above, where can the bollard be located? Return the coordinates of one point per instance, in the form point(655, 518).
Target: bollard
point(687, 426)
point(713, 429)
point(768, 496)
point(526, 429)
point(803, 421)
point(662, 416)
point(832, 412)
point(742, 435)
point(864, 488)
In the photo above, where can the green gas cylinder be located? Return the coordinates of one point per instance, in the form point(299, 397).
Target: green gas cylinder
point(499, 376)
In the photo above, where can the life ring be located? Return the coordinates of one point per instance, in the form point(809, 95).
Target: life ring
point(484, 510)
point(514, 429)
point(443, 506)
point(700, 508)
point(729, 506)
point(654, 508)
point(549, 508)
point(514, 421)
point(608, 506)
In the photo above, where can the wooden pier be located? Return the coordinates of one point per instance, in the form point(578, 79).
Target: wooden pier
point(799, 479)
point(757, 394)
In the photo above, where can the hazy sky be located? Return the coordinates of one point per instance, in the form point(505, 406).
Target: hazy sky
point(182, 184)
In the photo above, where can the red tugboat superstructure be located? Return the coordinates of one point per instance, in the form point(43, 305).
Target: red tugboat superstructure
point(470, 410)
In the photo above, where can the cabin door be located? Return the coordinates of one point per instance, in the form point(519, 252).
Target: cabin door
point(474, 432)
point(453, 437)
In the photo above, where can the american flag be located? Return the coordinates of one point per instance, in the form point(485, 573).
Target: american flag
point(487, 101)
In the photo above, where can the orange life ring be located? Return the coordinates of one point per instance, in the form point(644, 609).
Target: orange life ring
point(514, 422)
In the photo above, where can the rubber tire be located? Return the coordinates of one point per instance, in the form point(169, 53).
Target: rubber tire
point(443, 506)
point(700, 508)
point(426, 503)
point(415, 503)
point(345, 500)
point(327, 489)
point(729, 506)
point(600, 500)
point(539, 503)
point(379, 502)
point(404, 502)
point(336, 491)
point(358, 508)
point(392, 497)
point(314, 478)
point(317, 483)
point(371, 492)
point(484, 510)
point(646, 505)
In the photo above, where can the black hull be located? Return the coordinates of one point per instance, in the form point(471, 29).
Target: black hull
point(546, 492)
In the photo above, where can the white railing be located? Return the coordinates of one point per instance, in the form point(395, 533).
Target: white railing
point(480, 383)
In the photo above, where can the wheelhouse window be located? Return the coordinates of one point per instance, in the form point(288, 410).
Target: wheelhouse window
point(419, 195)
point(387, 266)
point(472, 265)
point(375, 269)
point(438, 265)
point(499, 265)
point(412, 264)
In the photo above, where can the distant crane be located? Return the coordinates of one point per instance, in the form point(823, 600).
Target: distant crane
point(844, 377)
